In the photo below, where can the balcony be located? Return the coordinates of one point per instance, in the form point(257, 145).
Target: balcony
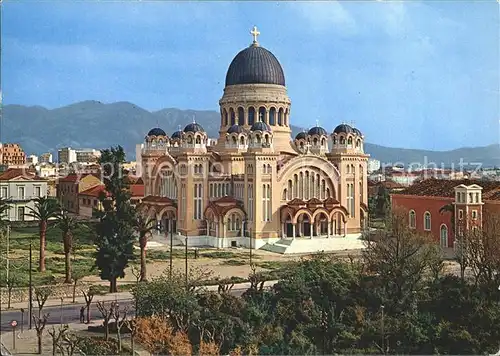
point(22, 198)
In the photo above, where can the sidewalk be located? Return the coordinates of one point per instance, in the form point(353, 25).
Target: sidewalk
point(112, 296)
point(27, 342)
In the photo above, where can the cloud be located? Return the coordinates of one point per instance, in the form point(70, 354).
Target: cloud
point(325, 16)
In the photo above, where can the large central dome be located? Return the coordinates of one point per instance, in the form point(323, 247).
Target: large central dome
point(255, 65)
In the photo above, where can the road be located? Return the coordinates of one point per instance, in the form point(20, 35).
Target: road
point(69, 313)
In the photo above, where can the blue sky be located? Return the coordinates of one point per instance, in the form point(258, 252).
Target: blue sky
point(408, 73)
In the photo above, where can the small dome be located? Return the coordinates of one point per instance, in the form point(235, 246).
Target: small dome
point(194, 127)
point(177, 134)
point(260, 126)
point(357, 132)
point(156, 132)
point(343, 128)
point(255, 65)
point(235, 129)
point(317, 130)
point(301, 136)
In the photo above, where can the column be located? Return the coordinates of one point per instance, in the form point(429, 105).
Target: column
point(329, 230)
point(217, 229)
point(345, 229)
point(283, 230)
point(293, 231)
point(311, 229)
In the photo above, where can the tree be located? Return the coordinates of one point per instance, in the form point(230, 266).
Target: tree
point(41, 296)
point(482, 250)
point(144, 226)
point(400, 258)
point(120, 317)
point(89, 296)
point(45, 209)
point(68, 225)
point(11, 281)
point(76, 277)
point(57, 335)
point(40, 323)
point(106, 313)
point(115, 229)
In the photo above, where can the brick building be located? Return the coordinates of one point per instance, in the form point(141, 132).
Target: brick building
point(431, 203)
point(12, 154)
point(69, 187)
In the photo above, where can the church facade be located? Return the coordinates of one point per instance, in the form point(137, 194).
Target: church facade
point(256, 184)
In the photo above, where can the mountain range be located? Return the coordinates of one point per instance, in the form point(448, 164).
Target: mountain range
point(98, 125)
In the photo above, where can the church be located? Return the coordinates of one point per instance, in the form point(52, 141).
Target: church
point(256, 185)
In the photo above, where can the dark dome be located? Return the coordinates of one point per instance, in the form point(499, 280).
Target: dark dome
point(317, 130)
point(235, 129)
point(177, 134)
point(194, 127)
point(357, 132)
point(343, 128)
point(301, 135)
point(260, 126)
point(255, 65)
point(156, 132)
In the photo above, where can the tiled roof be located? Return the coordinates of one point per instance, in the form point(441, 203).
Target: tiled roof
point(137, 190)
point(12, 173)
point(445, 188)
point(94, 191)
point(73, 177)
point(155, 199)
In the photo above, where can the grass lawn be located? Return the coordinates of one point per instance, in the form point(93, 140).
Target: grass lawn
point(19, 243)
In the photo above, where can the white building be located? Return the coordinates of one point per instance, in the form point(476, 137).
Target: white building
point(21, 188)
point(32, 159)
point(373, 165)
point(82, 155)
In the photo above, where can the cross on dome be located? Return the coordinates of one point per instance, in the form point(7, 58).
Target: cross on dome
point(194, 119)
point(255, 33)
point(317, 123)
point(179, 127)
point(260, 116)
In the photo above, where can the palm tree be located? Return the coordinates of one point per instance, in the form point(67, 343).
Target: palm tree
point(143, 226)
point(44, 210)
point(68, 225)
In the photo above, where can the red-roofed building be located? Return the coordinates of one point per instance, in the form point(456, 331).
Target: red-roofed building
point(70, 186)
point(88, 200)
point(430, 204)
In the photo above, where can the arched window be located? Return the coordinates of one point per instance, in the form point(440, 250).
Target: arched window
point(427, 221)
point(412, 218)
point(323, 142)
point(342, 140)
point(198, 140)
point(242, 140)
point(285, 118)
point(251, 115)
point(272, 116)
point(258, 139)
point(233, 116)
point(225, 117)
point(267, 139)
point(334, 140)
point(443, 234)
point(241, 116)
point(349, 141)
point(262, 114)
point(234, 140)
point(315, 141)
point(189, 140)
point(280, 117)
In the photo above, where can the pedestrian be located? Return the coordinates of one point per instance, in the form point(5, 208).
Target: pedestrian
point(82, 314)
